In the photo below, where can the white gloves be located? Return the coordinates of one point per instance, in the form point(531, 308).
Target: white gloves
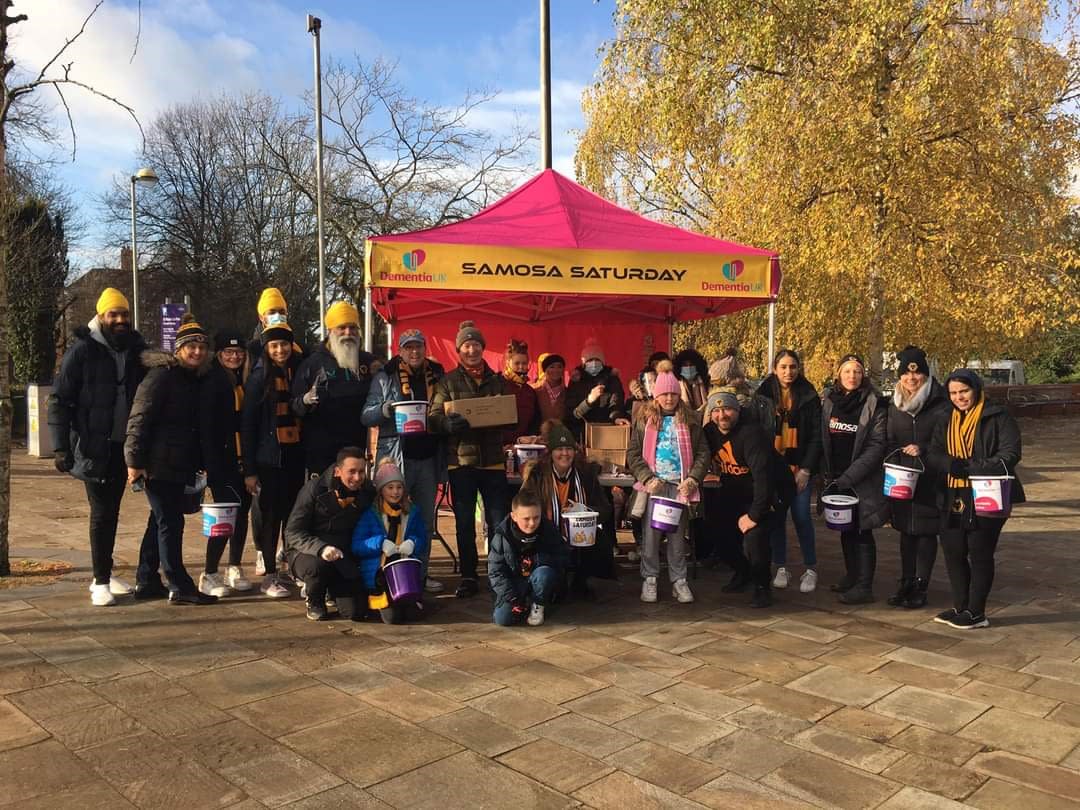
point(389, 548)
point(406, 548)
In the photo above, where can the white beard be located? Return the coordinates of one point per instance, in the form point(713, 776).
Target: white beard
point(346, 350)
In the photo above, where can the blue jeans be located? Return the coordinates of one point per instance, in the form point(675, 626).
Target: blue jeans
point(465, 483)
point(542, 584)
point(804, 530)
point(163, 541)
point(420, 484)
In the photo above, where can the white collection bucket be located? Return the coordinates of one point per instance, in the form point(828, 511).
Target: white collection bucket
point(840, 511)
point(410, 416)
point(992, 494)
point(219, 519)
point(900, 481)
point(527, 452)
point(580, 528)
point(666, 514)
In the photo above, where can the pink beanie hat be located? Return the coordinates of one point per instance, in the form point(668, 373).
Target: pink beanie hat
point(665, 380)
point(386, 472)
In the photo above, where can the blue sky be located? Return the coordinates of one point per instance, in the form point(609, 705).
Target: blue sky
point(199, 48)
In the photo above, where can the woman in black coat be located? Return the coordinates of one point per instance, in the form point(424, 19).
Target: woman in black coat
point(853, 448)
point(162, 452)
point(918, 405)
point(978, 438)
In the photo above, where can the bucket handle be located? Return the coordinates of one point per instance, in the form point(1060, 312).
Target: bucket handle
point(922, 467)
point(831, 486)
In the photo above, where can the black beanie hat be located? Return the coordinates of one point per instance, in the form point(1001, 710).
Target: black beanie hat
point(229, 339)
point(912, 358)
point(551, 358)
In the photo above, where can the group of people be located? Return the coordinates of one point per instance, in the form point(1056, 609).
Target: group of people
point(283, 434)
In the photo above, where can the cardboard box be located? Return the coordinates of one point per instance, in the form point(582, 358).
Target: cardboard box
point(607, 437)
point(607, 458)
point(483, 412)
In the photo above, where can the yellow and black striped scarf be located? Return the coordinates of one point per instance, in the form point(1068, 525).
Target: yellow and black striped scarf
point(406, 385)
point(238, 405)
point(960, 439)
point(286, 426)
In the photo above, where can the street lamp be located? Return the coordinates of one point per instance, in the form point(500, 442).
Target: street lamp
point(143, 175)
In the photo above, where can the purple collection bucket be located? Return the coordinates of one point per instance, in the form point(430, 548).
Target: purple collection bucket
point(992, 495)
point(841, 511)
point(403, 579)
point(666, 514)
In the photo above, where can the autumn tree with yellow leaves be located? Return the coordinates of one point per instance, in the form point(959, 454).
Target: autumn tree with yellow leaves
point(911, 161)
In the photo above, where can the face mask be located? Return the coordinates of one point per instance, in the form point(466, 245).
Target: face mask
point(688, 372)
point(276, 319)
point(593, 367)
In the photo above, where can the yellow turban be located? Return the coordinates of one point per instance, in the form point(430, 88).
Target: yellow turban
point(271, 298)
point(342, 314)
point(111, 298)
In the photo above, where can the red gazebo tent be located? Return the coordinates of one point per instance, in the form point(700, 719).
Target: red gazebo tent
point(554, 264)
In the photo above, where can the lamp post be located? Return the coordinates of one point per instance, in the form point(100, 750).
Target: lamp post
point(143, 175)
point(314, 27)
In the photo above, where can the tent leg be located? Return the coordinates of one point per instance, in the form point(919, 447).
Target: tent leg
point(389, 341)
point(367, 319)
point(772, 333)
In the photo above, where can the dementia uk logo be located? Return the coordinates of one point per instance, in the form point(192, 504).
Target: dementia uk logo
point(732, 271)
point(411, 261)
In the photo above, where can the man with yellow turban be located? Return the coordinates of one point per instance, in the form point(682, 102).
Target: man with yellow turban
point(88, 413)
point(330, 388)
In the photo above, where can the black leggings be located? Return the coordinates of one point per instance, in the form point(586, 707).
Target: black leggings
point(279, 488)
point(969, 559)
point(232, 492)
point(917, 555)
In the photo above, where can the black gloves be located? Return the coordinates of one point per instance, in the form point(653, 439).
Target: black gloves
point(518, 609)
point(63, 461)
point(456, 423)
point(959, 468)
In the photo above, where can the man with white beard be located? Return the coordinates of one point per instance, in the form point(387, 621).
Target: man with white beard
point(330, 388)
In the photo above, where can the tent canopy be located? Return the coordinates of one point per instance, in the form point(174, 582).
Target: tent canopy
point(553, 254)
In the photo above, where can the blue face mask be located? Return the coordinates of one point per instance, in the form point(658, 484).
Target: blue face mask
point(594, 367)
point(688, 372)
point(276, 319)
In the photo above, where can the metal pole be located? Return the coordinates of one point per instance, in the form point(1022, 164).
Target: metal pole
point(545, 83)
point(367, 319)
point(134, 265)
point(389, 341)
point(772, 334)
point(314, 26)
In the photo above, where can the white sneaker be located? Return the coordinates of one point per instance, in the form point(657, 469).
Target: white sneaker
point(648, 589)
point(213, 585)
point(260, 565)
point(633, 555)
point(274, 589)
point(536, 615)
point(303, 590)
point(433, 586)
point(682, 591)
point(808, 581)
point(101, 596)
point(782, 578)
point(235, 579)
point(117, 587)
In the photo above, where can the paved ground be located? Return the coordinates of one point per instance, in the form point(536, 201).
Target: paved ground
point(613, 704)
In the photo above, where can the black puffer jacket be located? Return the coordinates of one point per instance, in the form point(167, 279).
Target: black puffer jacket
point(318, 519)
point(163, 428)
point(807, 406)
point(864, 474)
point(258, 423)
point(610, 406)
point(920, 514)
point(220, 418)
point(83, 401)
point(334, 422)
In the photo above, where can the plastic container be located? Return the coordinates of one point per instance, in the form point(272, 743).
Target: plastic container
point(410, 416)
point(900, 481)
point(992, 495)
point(666, 514)
point(841, 511)
point(403, 579)
point(219, 519)
point(579, 528)
point(526, 453)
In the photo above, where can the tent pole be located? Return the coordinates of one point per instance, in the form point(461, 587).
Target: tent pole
point(367, 319)
point(314, 26)
point(772, 333)
point(389, 341)
point(545, 83)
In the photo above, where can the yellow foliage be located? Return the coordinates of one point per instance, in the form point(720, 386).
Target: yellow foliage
point(909, 160)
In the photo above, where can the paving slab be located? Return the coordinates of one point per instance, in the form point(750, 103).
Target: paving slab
point(675, 728)
point(823, 781)
point(478, 732)
point(557, 766)
point(17, 729)
point(932, 709)
point(748, 753)
point(935, 776)
point(1005, 698)
point(700, 699)
point(60, 698)
point(865, 724)
point(1021, 734)
point(345, 797)
point(88, 727)
point(1028, 772)
point(620, 790)
point(612, 704)
point(843, 687)
point(584, 735)
point(935, 745)
point(859, 752)
point(293, 711)
point(664, 767)
point(245, 683)
point(733, 791)
point(555, 684)
point(516, 709)
point(996, 794)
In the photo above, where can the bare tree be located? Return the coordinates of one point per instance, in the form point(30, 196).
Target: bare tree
point(21, 112)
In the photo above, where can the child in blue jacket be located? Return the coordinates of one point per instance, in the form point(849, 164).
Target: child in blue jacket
point(392, 528)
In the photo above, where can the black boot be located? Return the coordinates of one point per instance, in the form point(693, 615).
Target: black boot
point(739, 580)
point(847, 582)
point(917, 596)
point(903, 593)
point(315, 595)
point(863, 590)
point(759, 574)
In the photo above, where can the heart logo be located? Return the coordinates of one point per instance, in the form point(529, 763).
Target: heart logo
point(413, 259)
point(732, 270)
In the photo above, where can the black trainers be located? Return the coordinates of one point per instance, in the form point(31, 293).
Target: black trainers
point(466, 589)
point(856, 596)
point(946, 616)
point(762, 597)
point(151, 590)
point(963, 620)
point(737, 584)
point(316, 611)
point(196, 598)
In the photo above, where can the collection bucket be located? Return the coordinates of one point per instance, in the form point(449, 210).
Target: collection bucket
point(992, 495)
point(666, 514)
point(219, 519)
point(580, 528)
point(900, 481)
point(403, 579)
point(840, 514)
point(526, 453)
point(410, 416)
